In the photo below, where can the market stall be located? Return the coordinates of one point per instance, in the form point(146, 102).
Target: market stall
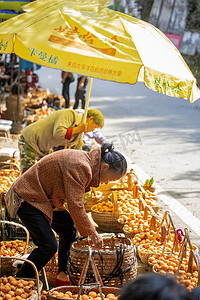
point(125, 208)
point(135, 234)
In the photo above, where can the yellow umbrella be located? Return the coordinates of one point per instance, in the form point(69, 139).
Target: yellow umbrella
point(93, 40)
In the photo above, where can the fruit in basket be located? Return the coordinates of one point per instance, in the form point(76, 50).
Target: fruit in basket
point(11, 248)
point(168, 263)
point(7, 177)
point(145, 237)
point(18, 289)
point(104, 206)
point(90, 296)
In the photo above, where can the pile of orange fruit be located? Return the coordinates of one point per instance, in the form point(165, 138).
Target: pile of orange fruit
point(90, 296)
point(11, 248)
point(19, 289)
point(104, 206)
point(168, 264)
point(7, 178)
point(145, 237)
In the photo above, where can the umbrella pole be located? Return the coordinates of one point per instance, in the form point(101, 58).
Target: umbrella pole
point(18, 94)
point(86, 109)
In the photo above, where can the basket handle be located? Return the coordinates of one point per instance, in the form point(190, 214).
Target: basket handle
point(115, 204)
point(193, 254)
point(159, 228)
point(99, 283)
point(19, 225)
point(35, 269)
point(93, 192)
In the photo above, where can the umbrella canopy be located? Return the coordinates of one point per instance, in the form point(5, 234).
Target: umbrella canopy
point(93, 40)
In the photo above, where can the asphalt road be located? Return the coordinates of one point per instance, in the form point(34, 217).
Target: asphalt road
point(159, 134)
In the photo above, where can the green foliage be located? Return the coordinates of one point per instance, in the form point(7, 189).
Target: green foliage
point(146, 9)
point(149, 182)
point(193, 18)
point(193, 63)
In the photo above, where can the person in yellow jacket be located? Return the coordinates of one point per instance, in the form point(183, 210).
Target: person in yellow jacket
point(63, 127)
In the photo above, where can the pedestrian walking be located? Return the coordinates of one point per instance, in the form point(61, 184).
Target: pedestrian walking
point(67, 79)
point(80, 91)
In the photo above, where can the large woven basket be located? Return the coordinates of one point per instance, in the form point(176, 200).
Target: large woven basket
point(107, 221)
point(85, 290)
point(7, 267)
point(116, 262)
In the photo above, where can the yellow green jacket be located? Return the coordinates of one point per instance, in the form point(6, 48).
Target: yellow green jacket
point(51, 131)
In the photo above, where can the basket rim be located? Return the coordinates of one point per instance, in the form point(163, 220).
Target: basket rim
point(87, 288)
point(131, 245)
point(101, 212)
point(146, 253)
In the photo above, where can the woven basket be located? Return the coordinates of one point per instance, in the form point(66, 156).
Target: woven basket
point(39, 285)
point(128, 234)
point(144, 256)
point(90, 200)
point(7, 267)
point(85, 290)
point(116, 262)
point(51, 270)
point(107, 221)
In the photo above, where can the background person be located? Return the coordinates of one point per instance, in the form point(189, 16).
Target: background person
point(67, 78)
point(80, 91)
point(40, 194)
point(89, 137)
point(11, 104)
point(61, 128)
point(153, 286)
point(3, 77)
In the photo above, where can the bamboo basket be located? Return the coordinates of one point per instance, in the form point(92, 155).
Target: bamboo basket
point(85, 290)
point(165, 233)
point(38, 283)
point(142, 255)
point(51, 270)
point(91, 199)
point(193, 258)
point(7, 267)
point(116, 262)
point(108, 221)
point(152, 225)
point(145, 197)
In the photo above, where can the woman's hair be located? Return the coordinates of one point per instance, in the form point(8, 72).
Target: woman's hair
point(14, 89)
point(114, 159)
point(97, 116)
point(153, 286)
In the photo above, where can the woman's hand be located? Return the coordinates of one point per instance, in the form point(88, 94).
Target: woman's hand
point(97, 240)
